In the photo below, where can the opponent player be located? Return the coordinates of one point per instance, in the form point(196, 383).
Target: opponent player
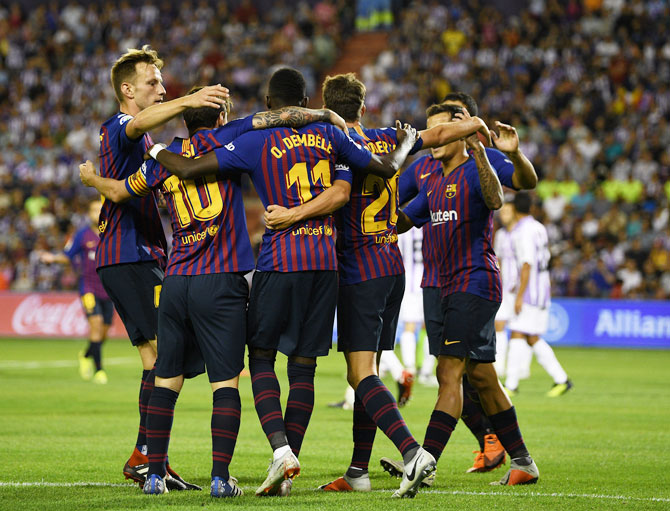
point(80, 252)
point(459, 202)
point(297, 264)
point(372, 281)
point(533, 297)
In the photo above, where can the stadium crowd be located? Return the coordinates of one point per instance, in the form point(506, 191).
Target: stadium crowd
point(585, 83)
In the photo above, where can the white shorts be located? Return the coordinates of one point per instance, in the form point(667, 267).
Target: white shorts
point(411, 310)
point(506, 310)
point(530, 321)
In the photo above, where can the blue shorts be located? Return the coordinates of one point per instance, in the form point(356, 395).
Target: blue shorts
point(432, 315)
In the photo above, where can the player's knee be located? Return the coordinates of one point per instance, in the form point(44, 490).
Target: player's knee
point(261, 354)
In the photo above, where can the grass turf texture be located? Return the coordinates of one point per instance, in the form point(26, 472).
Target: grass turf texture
point(598, 447)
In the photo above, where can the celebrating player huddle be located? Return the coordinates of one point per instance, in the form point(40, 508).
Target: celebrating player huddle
point(331, 189)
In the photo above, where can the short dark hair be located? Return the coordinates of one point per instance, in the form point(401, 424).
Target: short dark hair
point(287, 85)
point(204, 116)
point(345, 95)
point(464, 98)
point(522, 203)
point(442, 108)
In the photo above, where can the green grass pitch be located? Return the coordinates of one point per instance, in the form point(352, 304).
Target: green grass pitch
point(601, 446)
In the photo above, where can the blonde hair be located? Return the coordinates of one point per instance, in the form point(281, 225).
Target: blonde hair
point(345, 95)
point(124, 69)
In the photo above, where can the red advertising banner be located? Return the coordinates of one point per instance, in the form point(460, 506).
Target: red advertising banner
point(47, 315)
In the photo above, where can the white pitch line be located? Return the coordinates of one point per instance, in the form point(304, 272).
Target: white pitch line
point(53, 364)
point(63, 485)
point(538, 494)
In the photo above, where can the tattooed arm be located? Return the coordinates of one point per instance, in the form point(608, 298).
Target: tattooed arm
point(296, 117)
point(492, 191)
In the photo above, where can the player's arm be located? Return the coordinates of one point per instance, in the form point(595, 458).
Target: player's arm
point(524, 277)
point(157, 115)
point(386, 165)
point(113, 189)
point(524, 177)
point(54, 258)
point(296, 117)
point(443, 134)
point(182, 167)
point(415, 214)
point(278, 217)
point(492, 191)
point(404, 223)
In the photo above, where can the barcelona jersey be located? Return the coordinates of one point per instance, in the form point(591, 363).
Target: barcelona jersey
point(207, 214)
point(80, 249)
point(408, 187)
point(130, 232)
point(367, 237)
point(289, 167)
point(463, 226)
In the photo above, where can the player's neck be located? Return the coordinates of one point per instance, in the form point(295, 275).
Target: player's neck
point(355, 124)
point(450, 164)
point(129, 108)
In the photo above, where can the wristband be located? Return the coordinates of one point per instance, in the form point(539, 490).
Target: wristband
point(157, 148)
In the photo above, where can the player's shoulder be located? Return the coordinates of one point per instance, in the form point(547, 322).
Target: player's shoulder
point(117, 121)
point(496, 154)
point(178, 144)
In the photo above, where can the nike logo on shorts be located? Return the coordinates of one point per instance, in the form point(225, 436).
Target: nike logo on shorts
point(447, 343)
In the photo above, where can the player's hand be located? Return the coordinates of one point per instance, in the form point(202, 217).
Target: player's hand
point(508, 140)
point(483, 129)
point(518, 304)
point(213, 96)
point(278, 217)
point(473, 142)
point(46, 257)
point(337, 120)
point(406, 132)
point(87, 172)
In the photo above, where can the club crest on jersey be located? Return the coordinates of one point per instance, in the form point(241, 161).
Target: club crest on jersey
point(450, 192)
point(102, 226)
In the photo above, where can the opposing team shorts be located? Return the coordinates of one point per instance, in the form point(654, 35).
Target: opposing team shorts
point(532, 320)
point(506, 310)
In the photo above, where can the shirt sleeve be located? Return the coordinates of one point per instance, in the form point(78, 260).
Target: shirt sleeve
point(418, 210)
point(342, 173)
point(392, 132)
point(242, 154)
point(73, 246)
point(119, 131)
point(233, 129)
point(348, 151)
point(148, 176)
point(502, 165)
point(407, 185)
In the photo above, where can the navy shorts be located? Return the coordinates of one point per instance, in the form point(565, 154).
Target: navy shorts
point(135, 290)
point(367, 314)
point(469, 328)
point(432, 315)
point(293, 312)
point(202, 322)
point(94, 306)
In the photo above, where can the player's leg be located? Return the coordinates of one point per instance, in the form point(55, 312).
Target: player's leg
point(96, 336)
point(225, 425)
point(547, 359)
point(502, 344)
point(515, 361)
point(433, 321)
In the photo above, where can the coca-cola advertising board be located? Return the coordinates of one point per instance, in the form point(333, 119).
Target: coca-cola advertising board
point(47, 315)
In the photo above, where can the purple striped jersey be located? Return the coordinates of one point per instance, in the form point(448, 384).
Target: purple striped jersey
point(130, 232)
point(207, 214)
point(289, 167)
point(367, 237)
point(80, 249)
point(463, 225)
point(409, 185)
point(504, 249)
point(531, 246)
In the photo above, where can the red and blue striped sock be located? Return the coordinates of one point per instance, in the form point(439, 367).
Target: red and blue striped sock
point(300, 403)
point(507, 429)
point(382, 408)
point(160, 413)
point(266, 391)
point(226, 410)
point(473, 414)
point(438, 432)
point(364, 430)
point(146, 388)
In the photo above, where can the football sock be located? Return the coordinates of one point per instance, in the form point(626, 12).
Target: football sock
point(300, 403)
point(428, 363)
point(382, 408)
point(408, 350)
point(226, 409)
point(364, 430)
point(501, 352)
point(515, 358)
point(473, 414)
point(160, 413)
point(265, 388)
point(146, 388)
point(547, 359)
point(438, 432)
point(507, 429)
point(95, 352)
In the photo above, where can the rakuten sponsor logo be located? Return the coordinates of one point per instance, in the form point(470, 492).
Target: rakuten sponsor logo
point(441, 217)
point(631, 323)
point(34, 317)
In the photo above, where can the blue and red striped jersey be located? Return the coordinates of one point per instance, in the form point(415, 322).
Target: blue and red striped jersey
point(463, 226)
point(207, 214)
point(289, 167)
point(367, 237)
point(80, 249)
point(409, 185)
point(129, 232)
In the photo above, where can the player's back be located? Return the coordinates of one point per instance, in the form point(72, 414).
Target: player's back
point(129, 232)
point(531, 246)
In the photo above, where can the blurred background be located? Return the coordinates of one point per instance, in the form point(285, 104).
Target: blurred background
point(585, 82)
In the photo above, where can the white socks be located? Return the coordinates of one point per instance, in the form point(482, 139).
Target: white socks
point(501, 352)
point(389, 362)
point(547, 359)
point(428, 364)
point(408, 350)
point(515, 361)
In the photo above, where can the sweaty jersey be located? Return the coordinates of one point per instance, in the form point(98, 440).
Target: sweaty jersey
point(531, 246)
point(207, 214)
point(502, 246)
point(455, 207)
point(409, 185)
point(80, 249)
point(367, 237)
point(130, 232)
point(288, 167)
